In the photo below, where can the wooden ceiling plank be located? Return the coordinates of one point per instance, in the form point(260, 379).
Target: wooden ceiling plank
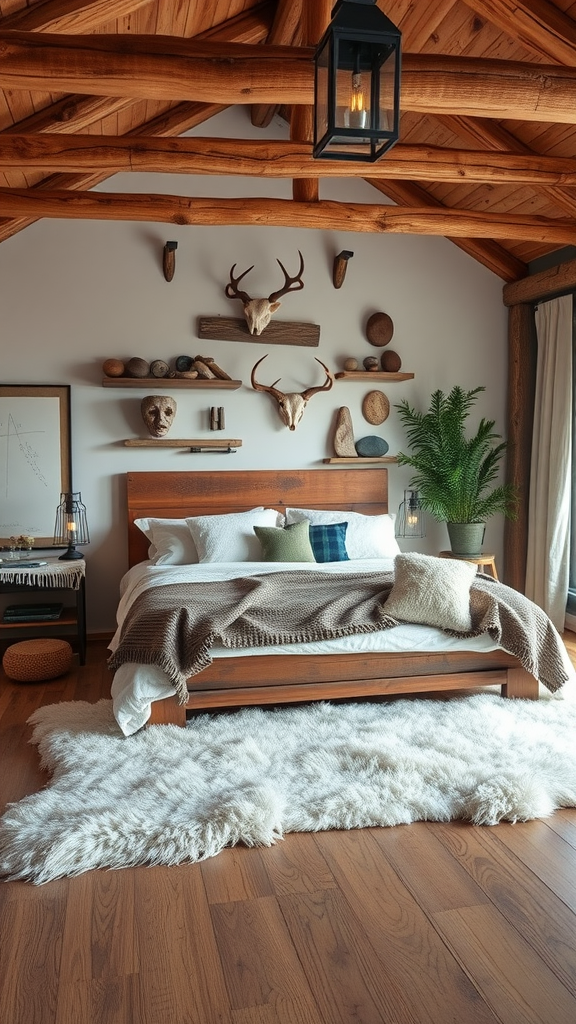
point(181, 69)
point(497, 137)
point(420, 21)
point(69, 15)
point(536, 24)
point(276, 158)
point(323, 215)
point(283, 32)
point(485, 251)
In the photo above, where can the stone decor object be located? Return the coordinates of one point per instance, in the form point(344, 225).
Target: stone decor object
point(137, 367)
point(375, 407)
point(113, 367)
point(379, 329)
point(344, 435)
point(370, 363)
point(390, 362)
point(159, 368)
point(371, 446)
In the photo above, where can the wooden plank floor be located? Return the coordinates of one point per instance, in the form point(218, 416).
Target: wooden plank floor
point(422, 924)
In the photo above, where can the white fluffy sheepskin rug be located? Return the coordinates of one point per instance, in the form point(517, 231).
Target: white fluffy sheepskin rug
point(168, 795)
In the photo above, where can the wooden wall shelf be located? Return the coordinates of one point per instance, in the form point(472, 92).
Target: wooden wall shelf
point(194, 444)
point(371, 375)
point(152, 383)
point(362, 458)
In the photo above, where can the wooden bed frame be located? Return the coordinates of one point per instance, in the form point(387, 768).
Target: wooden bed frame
point(276, 679)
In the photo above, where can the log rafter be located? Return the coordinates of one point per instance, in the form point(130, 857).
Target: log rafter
point(323, 215)
point(69, 15)
point(169, 68)
point(273, 158)
point(536, 24)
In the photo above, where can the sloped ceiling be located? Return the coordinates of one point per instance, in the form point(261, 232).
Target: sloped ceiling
point(487, 151)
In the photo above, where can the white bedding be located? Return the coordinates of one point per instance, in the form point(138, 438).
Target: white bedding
point(134, 687)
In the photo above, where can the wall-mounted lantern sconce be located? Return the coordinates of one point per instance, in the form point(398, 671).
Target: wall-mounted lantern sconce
point(340, 267)
point(169, 260)
point(357, 84)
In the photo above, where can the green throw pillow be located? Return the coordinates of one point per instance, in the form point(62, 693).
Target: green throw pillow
point(291, 544)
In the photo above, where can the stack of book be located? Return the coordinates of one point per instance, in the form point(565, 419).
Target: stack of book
point(32, 612)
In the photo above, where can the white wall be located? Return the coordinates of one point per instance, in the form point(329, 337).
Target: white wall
point(73, 293)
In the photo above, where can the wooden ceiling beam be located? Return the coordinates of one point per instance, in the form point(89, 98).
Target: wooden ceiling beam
point(73, 113)
point(493, 256)
point(69, 15)
point(535, 24)
point(275, 158)
point(163, 67)
point(323, 215)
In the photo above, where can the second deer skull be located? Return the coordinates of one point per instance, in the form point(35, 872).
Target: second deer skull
point(291, 406)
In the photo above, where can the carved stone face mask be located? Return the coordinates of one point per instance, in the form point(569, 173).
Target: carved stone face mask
point(158, 412)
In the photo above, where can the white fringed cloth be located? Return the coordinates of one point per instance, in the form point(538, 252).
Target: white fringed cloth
point(54, 574)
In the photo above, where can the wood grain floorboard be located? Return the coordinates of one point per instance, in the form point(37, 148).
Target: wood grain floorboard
point(431, 923)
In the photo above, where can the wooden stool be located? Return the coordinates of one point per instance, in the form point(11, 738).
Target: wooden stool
point(33, 661)
point(486, 563)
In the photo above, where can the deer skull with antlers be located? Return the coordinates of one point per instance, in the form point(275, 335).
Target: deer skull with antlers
point(259, 311)
point(291, 406)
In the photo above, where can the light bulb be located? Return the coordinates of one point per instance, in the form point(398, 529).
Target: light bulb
point(357, 114)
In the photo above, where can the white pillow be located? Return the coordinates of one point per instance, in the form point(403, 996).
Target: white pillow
point(231, 537)
point(434, 591)
point(171, 542)
point(366, 536)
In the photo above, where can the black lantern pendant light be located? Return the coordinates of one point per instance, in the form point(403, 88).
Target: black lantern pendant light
point(357, 84)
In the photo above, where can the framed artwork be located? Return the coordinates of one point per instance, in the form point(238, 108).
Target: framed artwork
point(35, 459)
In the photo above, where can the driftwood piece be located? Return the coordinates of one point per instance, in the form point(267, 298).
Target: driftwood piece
point(216, 370)
point(344, 434)
point(340, 267)
point(278, 332)
point(203, 370)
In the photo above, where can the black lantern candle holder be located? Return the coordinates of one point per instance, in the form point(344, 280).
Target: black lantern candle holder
point(71, 526)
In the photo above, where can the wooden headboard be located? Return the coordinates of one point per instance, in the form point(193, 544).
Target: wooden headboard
point(178, 495)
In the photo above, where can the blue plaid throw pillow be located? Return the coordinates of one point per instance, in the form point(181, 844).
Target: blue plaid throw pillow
point(329, 542)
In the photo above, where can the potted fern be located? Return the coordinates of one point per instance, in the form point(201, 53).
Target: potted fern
point(453, 473)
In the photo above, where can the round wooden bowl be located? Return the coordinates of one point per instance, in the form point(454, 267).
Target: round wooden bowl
point(379, 329)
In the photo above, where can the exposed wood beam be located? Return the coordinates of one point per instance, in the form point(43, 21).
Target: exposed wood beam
point(69, 15)
point(501, 262)
point(284, 32)
point(540, 287)
point(273, 158)
point(536, 24)
point(162, 67)
point(325, 215)
point(73, 113)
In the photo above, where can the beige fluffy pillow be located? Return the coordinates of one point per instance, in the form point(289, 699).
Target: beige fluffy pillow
point(434, 591)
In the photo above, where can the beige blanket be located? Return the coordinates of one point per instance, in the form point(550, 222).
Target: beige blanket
point(174, 627)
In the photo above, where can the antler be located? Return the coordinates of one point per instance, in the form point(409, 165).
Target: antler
point(291, 284)
point(263, 387)
point(232, 288)
point(306, 395)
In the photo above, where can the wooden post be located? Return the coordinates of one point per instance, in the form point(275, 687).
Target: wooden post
point(315, 21)
point(522, 351)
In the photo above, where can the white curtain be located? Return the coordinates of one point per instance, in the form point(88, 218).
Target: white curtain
point(547, 566)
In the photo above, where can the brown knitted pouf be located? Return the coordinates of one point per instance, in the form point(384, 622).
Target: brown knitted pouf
point(32, 661)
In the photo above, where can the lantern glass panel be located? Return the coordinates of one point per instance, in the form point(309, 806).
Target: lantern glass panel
point(322, 91)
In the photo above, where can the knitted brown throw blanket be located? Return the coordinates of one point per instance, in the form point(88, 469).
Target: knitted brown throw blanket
point(175, 626)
